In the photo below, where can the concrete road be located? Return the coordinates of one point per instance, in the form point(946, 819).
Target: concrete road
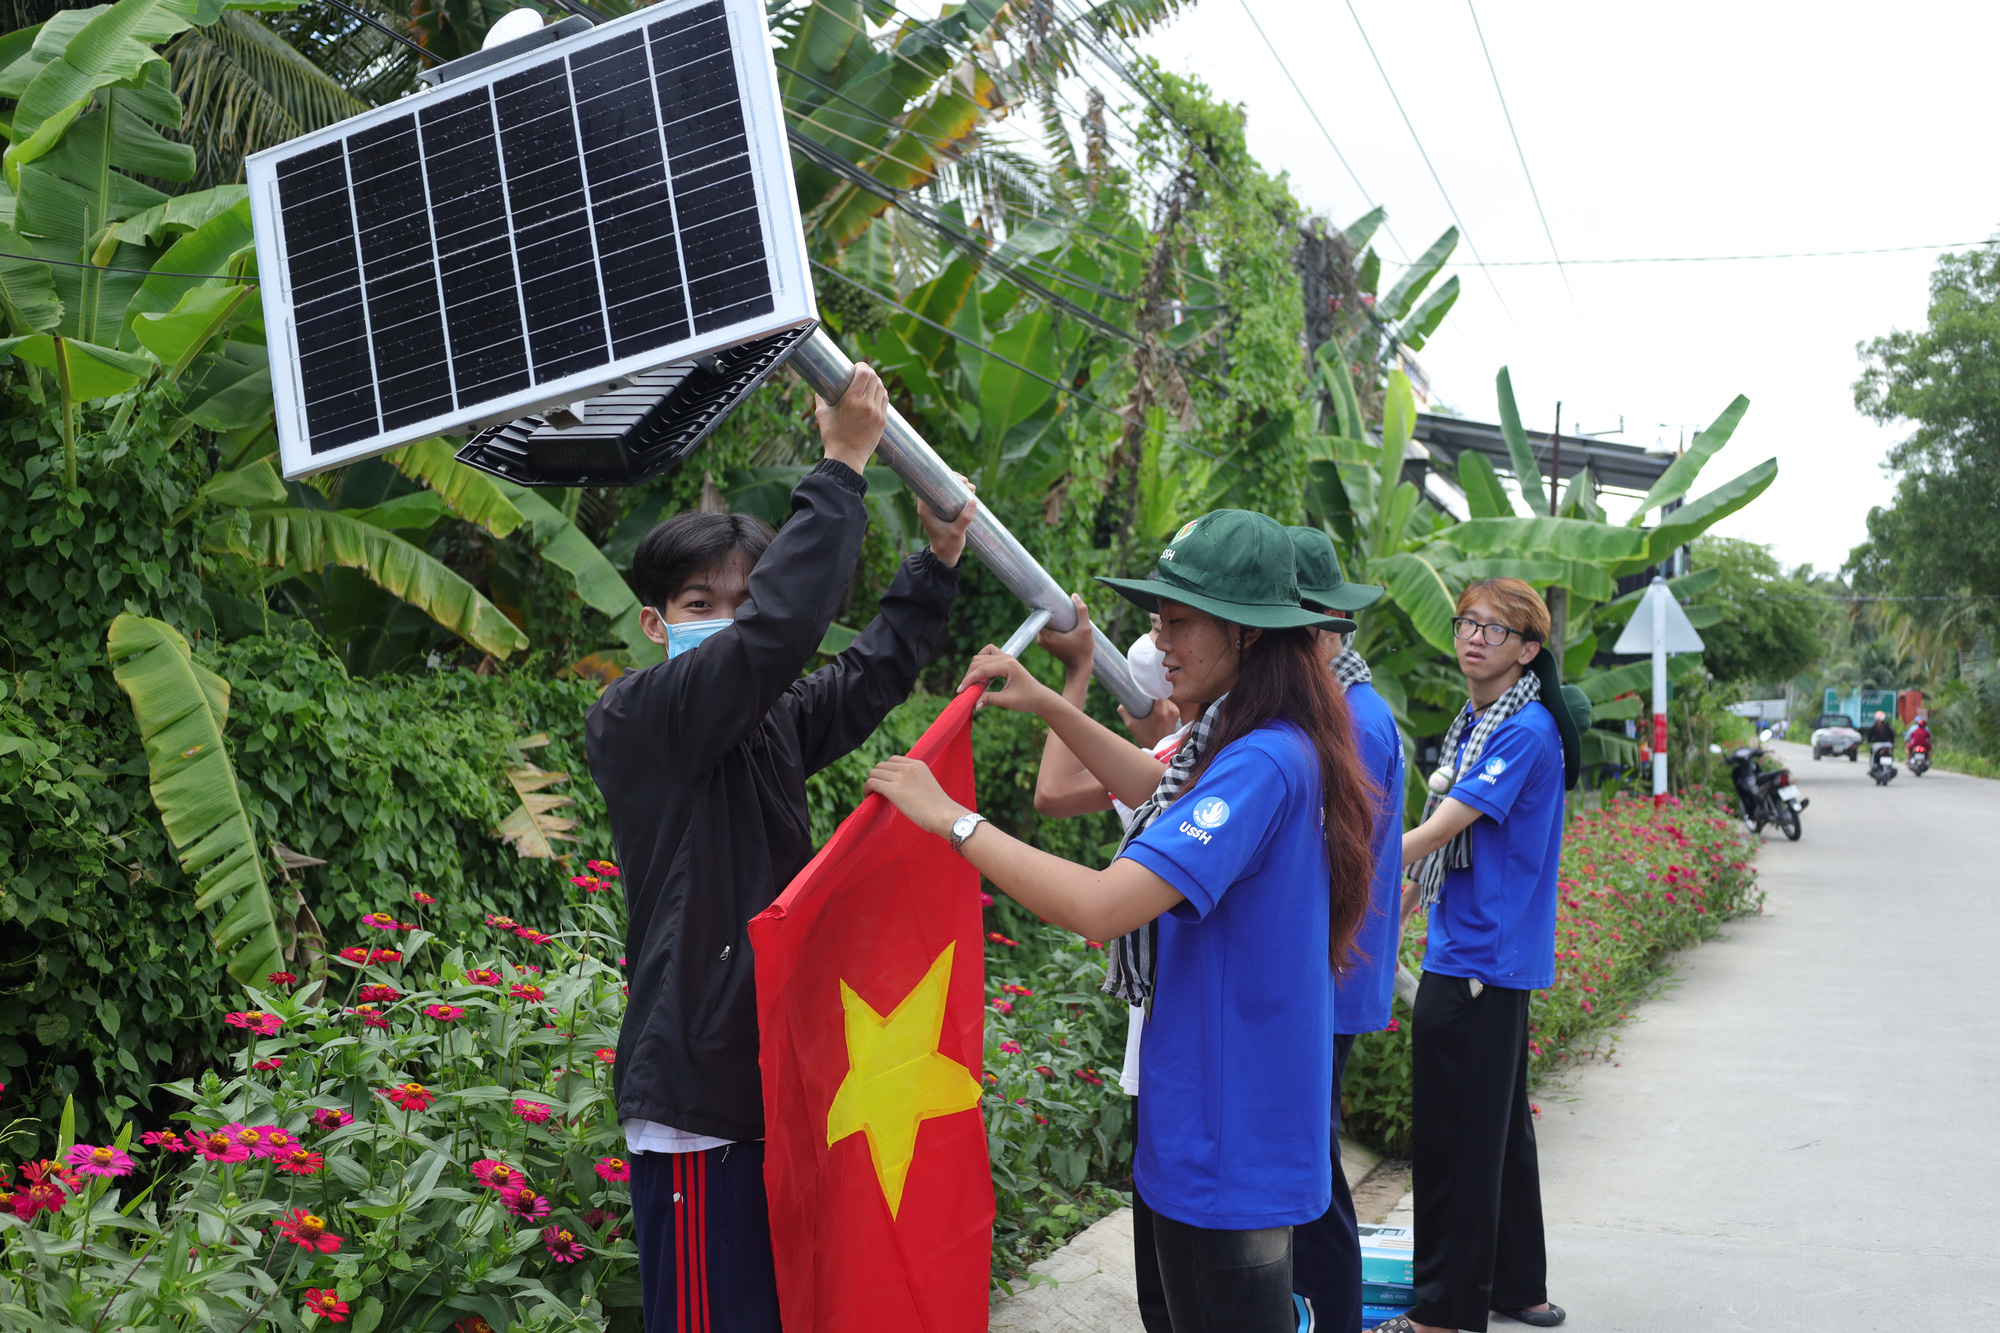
point(1804, 1133)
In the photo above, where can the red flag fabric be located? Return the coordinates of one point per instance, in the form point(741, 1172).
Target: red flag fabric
point(871, 1011)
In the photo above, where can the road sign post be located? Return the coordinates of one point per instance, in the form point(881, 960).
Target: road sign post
point(1659, 626)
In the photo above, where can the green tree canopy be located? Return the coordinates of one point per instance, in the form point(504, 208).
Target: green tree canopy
point(1770, 627)
point(1941, 535)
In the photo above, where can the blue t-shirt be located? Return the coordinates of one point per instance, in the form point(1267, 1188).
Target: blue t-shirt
point(1361, 999)
point(1236, 1071)
point(1497, 920)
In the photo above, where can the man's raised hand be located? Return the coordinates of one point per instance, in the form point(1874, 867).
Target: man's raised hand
point(852, 428)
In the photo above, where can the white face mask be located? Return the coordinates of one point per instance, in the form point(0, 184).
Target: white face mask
point(1149, 667)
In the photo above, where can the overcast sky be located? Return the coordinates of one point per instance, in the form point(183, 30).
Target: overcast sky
point(1700, 129)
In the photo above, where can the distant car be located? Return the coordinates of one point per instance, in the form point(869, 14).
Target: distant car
point(1835, 734)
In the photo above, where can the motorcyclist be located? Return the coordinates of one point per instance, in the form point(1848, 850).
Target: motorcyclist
point(1918, 737)
point(1881, 731)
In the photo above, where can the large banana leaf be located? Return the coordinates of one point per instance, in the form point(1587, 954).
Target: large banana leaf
point(1606, 747)
point(94, 372)
point(110, 45)
point(1527, 473)
point(1333, 374)
point(1698, 516)
point(1565, 538)
point(1680, 474)
point(1418, 276)
point(27, 289)
point(1485, 497)
point(313, 539)
point(1399, 421)
point(180, 708)
point(1417, 329)
point(1008, 396)
point(473, 495)
point(1684, 588)
point(598, 582)
point(1422, 593)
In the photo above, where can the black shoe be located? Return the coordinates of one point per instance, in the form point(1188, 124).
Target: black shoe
point(1548, 1318)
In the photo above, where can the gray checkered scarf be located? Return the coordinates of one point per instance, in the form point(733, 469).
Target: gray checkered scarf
point(1128, 970)
point(1457, 854)
point(1350, 669)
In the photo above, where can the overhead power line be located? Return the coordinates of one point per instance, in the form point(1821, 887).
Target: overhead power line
point(1514, 134)
point(1417, 139)
point(1722, 259)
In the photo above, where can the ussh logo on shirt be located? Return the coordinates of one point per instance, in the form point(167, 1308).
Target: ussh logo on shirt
point(1494, 768)
point(1209, 813)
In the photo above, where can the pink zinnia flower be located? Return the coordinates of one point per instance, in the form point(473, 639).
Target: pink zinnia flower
point(282, 979)
point(251, 1137)
point(1001, 1006)
point(380, 921)
point(385, 956)
point(562, 1245)
point(483, 976)
point(614, 1169)
point(420, 898)
point(269, 1062)
point(257, 1021)
point(300, 1162)
point(604, 868)
point(501, 922)
point(1010, 1048)
point(308, 1232)
point(93, 1161)
point(376, 993)
point(277, 1142)
point(521, 990)
point(166, 1140)
point(331, 1118)
point(534, 936)
point(410, 1096)
point(443, 1013)
point(220, 1146)
point(371, 1016)
point(326, 1303)
point(497, 1175)
point(355, 953)
point(603, 1221)
point(525, 1204)
point(998, 938)
point(590, 883)
point(534, 1113)
point(606, 1055)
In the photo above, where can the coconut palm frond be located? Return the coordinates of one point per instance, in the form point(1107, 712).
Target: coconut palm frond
point(357, 57)
point(244, 89)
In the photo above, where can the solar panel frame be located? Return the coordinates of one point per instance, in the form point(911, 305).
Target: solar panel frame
point(364, 247)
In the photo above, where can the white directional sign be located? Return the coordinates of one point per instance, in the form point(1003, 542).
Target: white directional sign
point(1680, 632)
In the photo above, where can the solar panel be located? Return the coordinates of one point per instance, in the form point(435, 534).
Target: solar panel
point(535, 233)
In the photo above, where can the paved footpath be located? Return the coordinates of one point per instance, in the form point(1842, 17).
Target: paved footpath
point(1804, 1133)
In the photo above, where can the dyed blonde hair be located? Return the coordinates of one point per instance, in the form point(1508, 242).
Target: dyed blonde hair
point(1519, 604)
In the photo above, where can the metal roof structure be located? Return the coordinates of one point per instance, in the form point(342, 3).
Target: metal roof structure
point(1624, 467)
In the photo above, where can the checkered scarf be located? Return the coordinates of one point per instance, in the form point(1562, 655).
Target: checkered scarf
point(1351, 669)
point(1128, 971)
point(1457, 854)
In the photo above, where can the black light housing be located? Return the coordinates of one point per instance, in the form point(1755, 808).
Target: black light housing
point(632, 434)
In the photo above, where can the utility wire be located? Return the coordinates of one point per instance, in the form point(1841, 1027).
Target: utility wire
point(115, 268)
point(385, 30)
point(1723, 259)
point(1514, 134)
point(1415, 138)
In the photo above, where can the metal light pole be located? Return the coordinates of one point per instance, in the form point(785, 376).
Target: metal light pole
point(1659, 599)
point(822, 364)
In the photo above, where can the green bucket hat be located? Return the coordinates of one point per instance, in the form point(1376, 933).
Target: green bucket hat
point(1320, 583)
point(1235, 565)
point(1570, 708)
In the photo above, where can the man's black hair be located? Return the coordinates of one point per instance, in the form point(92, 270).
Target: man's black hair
point(686, 546)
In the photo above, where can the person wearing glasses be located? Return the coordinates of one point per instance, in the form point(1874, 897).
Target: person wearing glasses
point(1484, 862)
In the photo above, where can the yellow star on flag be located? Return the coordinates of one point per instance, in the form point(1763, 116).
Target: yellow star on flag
point(896, 1077)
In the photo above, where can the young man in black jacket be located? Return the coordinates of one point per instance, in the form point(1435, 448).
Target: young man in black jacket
point(703, 760)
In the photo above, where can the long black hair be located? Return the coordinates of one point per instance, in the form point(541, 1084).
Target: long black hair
point(686, 546)
point(1282, 678)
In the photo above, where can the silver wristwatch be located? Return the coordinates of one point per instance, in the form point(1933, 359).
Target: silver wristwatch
point(961, 829)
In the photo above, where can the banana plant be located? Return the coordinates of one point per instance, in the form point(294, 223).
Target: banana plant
point(181, 708)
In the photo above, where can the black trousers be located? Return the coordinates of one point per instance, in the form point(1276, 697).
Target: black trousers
point(1326, 1254)
point(704, 1241)
point(1478, 1185)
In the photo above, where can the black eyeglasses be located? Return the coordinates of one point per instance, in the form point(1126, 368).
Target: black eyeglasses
point(1465, 627)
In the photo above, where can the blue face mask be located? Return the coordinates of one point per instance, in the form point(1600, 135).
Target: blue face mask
point(690, 633)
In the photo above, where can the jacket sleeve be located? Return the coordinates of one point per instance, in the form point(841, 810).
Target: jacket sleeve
point(840, 705)
point(700, 705)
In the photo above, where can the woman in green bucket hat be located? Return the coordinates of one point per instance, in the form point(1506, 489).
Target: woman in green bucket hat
point(1241, 883)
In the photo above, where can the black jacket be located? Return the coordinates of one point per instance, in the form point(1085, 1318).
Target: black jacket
point(703, 762)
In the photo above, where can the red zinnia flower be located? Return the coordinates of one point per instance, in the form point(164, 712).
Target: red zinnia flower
point(1001, 1006)
point(42, 1198)
point(534, 1113)
point(528, 967)
point(357, 953)
point(370, 1015)
point(166, 1140)
point(521, 990)
point(598, 1219)
point(604, 868)
point(410, 1096)
point(590, 883)
point(269, 1062)
point(385, 956)
point(323, 1302)
point(257, 1021)
point(614, 1168)
point(380, 921)
point(534, 936)
point(483, 976)
point(606, 1055)
point(1045, 1071)
point(300, 1162)
point(331, 1117)
point(563, 1246)
point(92, 1161)
point(443, 1013)
point(220, 1146)
point(525, 1204)
point(376, 993)
point(998, 938)
point(502, 922)
point(282, 979)
point(420, 898)
point(1010, 1048)
point(308, 1231)
point(1089, 1076)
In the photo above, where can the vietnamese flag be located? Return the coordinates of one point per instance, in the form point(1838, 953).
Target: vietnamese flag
point(871, 1009)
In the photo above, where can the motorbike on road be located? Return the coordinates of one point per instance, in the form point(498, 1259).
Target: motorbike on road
point(1882, 762)
point(1765, 796)
point(1920, 759)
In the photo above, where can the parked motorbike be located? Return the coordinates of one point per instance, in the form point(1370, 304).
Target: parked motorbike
point(1920, 759)
point(1882, 762)
point(1765, 797)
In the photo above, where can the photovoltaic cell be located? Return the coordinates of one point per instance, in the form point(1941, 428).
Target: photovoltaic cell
point(593, 206)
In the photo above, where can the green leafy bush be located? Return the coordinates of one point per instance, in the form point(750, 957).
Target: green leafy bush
point(1638, 883)
point(422, 1140)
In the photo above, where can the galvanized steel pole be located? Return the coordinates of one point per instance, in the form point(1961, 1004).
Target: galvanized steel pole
point(822, 364)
